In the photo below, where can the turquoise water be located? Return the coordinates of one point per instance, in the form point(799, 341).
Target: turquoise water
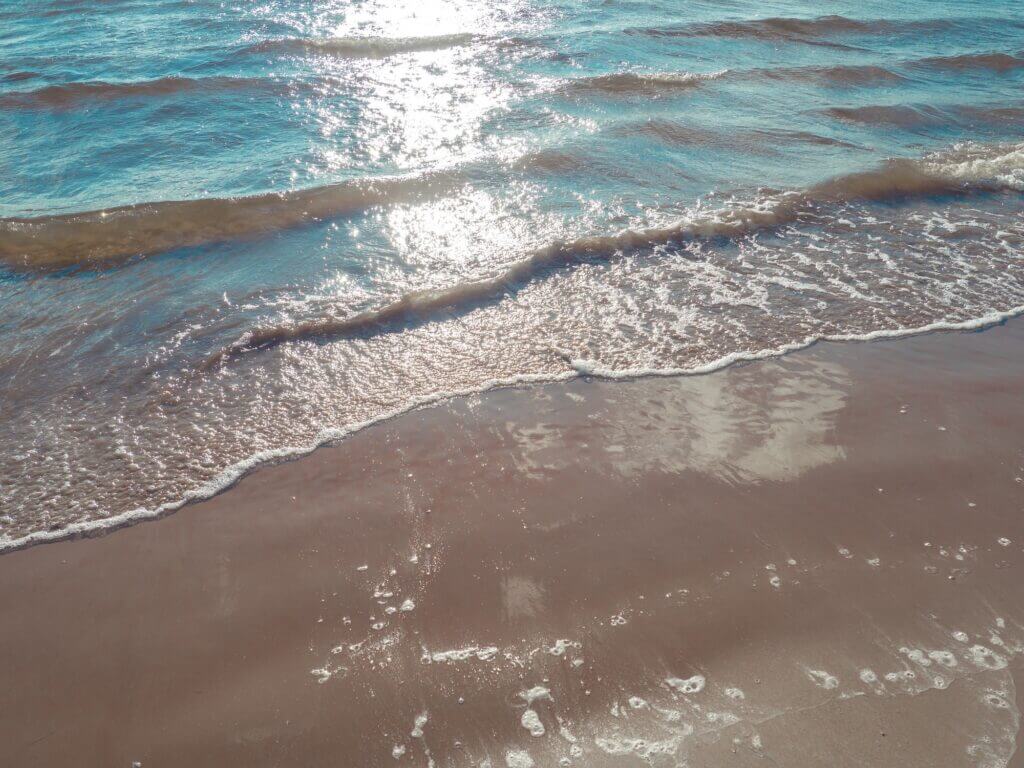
point(232, 231)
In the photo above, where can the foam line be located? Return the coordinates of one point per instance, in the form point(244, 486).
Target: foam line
point(578, 368)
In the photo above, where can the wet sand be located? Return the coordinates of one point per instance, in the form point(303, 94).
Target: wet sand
point(810, 561)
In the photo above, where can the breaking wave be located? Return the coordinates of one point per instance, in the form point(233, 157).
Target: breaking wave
point(963, 169)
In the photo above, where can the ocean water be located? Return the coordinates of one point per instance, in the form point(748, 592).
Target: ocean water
point(232, 231)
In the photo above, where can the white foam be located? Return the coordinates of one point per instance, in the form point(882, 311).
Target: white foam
point(531, 722)
point(646, 750)
point(417, 728)
point(823, 679)
point(986, 658)
point(537, 693)
point(917, 656)
point(693, 684)
point(397, 751)
point(460, 654)
point(562, 645)
point(232, 474)
point(736, 694)
point(518, 758)
point(407, 605)
point(596, 370)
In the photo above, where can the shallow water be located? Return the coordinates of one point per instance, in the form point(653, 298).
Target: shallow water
point(231, 232)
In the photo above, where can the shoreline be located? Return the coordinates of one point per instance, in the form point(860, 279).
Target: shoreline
point(813, 558)
point(235, 473)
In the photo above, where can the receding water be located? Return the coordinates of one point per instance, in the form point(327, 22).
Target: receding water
point(231, 231)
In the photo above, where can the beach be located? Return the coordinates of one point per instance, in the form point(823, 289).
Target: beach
point(521, 384)
point(807, 560)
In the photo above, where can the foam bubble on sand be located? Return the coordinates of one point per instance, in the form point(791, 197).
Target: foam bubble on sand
point(986, 658)
point(823, 679)
point(417, 727)
point(904, 676)
point(562, 645)
point(693, 684)
point(722, 719)
point(322, 674)
point(621, 746)
point(397, 751)
point(961, 636)
point(844, 552)
point(868, 676)
point(459, 654)
point(995, 701)
point(537, 693)
point(775, 581)
point(917, 656)
point(635, 702)
point(945, 658)
point(531, 722)
point(1004, 542)
point(407, 605)
point(736, 694)
point(518, 758)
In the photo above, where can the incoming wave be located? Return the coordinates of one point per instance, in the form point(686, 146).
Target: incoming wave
point(71, 94)
point(996, 62)
point(112, 234)
point(926, 116)
point(363, 47)
point(962, 169)
point(814, 31)
point(641, 84)
point(842, 76)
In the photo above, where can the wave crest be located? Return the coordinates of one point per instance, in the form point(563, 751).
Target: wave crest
point(363, 47)
point(71, 94)
point(113, 234)
point(638, 83)
point(998, 62)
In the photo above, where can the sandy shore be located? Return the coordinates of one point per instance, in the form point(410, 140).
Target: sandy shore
point(811, 561)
